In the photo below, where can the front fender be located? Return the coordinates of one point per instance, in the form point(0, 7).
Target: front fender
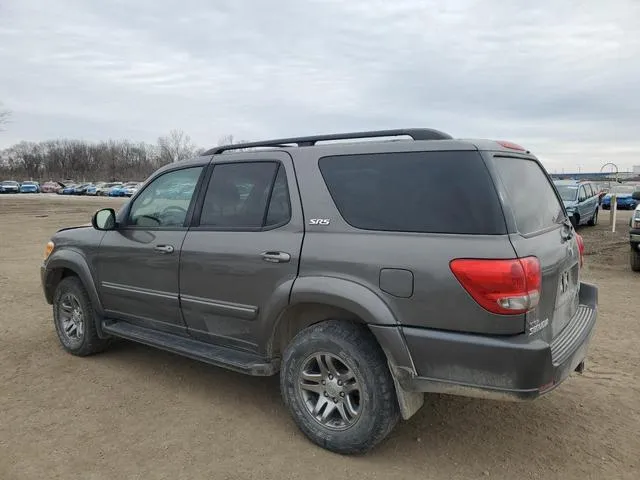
point(76, 262)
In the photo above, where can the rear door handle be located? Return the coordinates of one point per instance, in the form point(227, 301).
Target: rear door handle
point(276, 257)
point(163, 248)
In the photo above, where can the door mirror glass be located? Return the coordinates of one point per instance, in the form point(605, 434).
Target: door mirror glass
point(104, 219)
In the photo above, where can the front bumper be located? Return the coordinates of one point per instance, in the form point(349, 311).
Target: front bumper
point(634, 235)
point(507, 368)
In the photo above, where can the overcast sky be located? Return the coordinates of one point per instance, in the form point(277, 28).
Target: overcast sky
point(557, 76)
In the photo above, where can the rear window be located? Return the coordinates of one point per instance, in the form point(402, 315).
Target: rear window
point(531, 196)
point(427, 192)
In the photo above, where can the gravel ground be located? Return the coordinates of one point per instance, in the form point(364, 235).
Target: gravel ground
point(136, 412)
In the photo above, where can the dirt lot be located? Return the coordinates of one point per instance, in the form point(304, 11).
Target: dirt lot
point(135, 412)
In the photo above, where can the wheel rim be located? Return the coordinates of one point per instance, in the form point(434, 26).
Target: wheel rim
point(71, 319)
point(330, 390)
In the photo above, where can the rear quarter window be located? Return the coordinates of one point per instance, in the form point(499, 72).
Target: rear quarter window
point(427, 192)
point(530, 194)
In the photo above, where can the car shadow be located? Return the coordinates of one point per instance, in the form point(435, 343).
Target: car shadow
point(462, 430)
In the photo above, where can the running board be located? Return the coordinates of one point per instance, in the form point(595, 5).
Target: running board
point(232, 359)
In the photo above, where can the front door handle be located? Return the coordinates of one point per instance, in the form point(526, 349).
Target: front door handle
point(163, 248)
point(276, 257)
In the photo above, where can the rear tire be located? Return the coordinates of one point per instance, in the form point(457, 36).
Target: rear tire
point(338, 387)
point(634, 258)
point(74, 319)
point(594, 220)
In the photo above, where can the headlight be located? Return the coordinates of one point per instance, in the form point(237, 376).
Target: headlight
point(48, 249)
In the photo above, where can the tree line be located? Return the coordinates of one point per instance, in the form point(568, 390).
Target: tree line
point(86, 161)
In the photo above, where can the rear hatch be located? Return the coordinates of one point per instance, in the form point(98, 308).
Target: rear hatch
point(535, 214)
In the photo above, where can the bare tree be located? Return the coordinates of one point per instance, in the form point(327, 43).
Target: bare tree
point(5, 116)
point(111, 160)
point(229, 139)
point(175, 147)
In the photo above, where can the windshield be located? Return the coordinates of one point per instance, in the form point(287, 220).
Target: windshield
point(567, 192)
point(9, 182)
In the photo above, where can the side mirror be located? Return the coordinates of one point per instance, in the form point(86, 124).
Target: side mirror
point(636, 195)
point(104, 219)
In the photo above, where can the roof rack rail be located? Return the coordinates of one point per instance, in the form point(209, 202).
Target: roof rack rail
point(414, 133)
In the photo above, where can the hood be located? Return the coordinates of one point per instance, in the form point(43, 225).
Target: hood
point(86, 225)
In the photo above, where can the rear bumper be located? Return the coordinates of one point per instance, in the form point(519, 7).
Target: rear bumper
point(507, 368)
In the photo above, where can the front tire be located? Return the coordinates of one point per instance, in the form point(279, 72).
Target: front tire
point(338, 387)
point(634, 258)
point(575, 221)
point(74, 319)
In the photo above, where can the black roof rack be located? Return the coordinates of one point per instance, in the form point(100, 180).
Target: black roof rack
point(415, 133)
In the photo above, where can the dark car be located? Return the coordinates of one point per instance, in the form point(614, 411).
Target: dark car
point(364, 273)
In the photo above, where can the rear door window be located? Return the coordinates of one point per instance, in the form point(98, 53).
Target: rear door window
point(246, 195)
point(589, 189)
point(531, 195)
point(430, 192)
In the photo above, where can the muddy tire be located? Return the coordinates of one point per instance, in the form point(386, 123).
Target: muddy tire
point(74, 319)
point(338, 387)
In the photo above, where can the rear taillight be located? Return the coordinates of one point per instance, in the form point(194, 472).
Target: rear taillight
point(506, 287)
point(580, 243)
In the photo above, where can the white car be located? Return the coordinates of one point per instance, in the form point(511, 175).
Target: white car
point(131, 189)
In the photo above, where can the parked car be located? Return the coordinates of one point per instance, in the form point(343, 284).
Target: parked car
point(51, 187)
point(9, 186)
point(104, 189)
point(93, 188)
point(81, 189)
point(634, 234)
point(121, 190)
point(29, 187)
point(336, 271)
point(69, 189)
point(131, 189)
point(624, 197)
point(581, 200)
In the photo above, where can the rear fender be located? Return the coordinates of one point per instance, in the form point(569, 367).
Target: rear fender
point(373, 311)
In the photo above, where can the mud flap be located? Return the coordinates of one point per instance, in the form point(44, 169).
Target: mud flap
point(409, 402)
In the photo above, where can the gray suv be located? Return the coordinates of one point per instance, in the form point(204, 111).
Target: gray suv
point(365, 273)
